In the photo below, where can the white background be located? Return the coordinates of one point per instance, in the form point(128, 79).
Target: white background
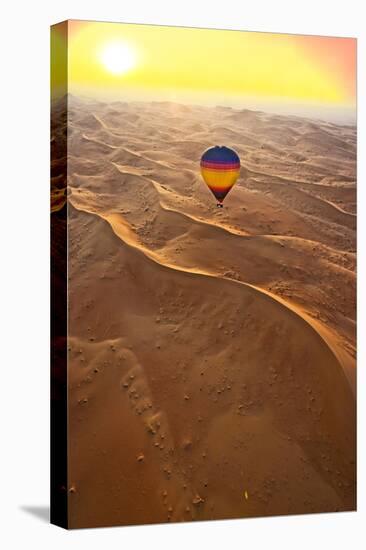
point(24, 218)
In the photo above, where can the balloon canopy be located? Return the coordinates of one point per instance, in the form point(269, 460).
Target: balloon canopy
point(220, 167)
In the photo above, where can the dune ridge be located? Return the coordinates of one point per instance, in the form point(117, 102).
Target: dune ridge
point(124, 232)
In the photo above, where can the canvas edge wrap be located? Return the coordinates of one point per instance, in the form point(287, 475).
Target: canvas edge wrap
point(58, 228)
point(61, 487)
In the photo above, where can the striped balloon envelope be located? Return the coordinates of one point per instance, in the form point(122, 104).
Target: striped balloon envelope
point(220, 167)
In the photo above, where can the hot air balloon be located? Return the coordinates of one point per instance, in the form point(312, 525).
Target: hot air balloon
point(220, 167)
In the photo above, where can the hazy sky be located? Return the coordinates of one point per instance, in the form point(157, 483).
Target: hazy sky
point(314, 76)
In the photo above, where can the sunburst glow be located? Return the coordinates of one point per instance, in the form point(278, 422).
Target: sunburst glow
point(117, 57)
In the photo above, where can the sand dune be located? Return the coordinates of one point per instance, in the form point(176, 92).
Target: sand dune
point(212, 352)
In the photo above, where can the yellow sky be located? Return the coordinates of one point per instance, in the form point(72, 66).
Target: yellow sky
point(180, 63)
point(201, 59)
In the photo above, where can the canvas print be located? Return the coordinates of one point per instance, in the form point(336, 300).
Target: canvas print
point(203, 199)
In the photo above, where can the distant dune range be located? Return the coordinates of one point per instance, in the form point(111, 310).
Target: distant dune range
point(212, 351)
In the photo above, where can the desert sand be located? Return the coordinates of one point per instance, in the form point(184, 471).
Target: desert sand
point(211, 351)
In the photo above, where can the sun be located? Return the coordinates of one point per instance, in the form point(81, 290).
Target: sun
point(117, 57)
